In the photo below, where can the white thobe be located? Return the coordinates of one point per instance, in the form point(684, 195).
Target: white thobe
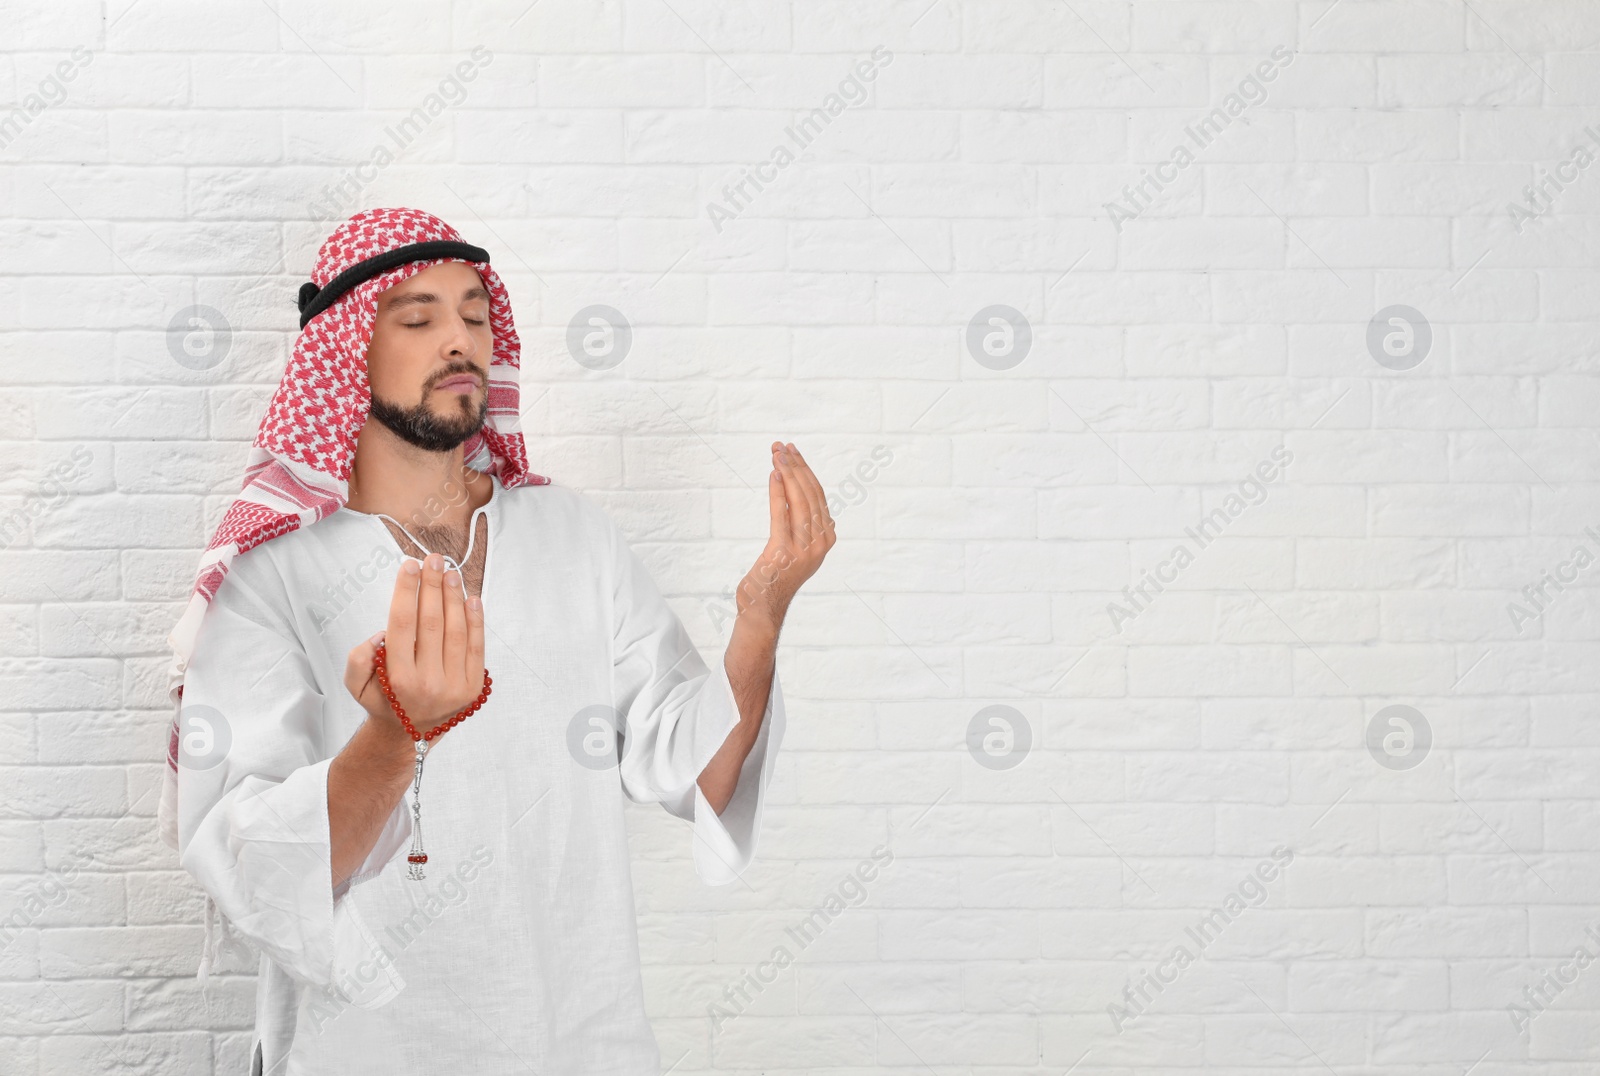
point(519, 950)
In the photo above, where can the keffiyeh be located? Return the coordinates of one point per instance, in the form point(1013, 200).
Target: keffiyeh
point(300, 461)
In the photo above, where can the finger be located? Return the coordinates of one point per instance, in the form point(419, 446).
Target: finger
point(475, 657)
point(401, 636)
point(777, 508)
point(359, 675)
point(455, 627)
point(816, 497)
point(799, 499)
point(792, 495)
point(430, 620)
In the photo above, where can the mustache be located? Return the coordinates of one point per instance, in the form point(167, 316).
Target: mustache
point(459, 370)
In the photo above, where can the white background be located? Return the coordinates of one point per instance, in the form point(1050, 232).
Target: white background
point(186, 163)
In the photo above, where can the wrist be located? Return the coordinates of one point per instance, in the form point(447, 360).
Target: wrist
point(389, 735)
point(760, 602)
point(760, 622)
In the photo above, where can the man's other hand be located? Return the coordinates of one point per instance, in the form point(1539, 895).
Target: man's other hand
point(802, 534)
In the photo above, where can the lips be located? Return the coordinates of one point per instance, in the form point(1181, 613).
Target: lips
point(459, 383)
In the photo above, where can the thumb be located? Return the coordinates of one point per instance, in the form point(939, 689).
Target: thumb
point(359, 673)
point(777, 507)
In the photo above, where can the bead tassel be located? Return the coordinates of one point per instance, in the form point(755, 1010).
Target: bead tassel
point(417, 857)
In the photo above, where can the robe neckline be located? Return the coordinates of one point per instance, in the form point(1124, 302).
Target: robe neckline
point(472, 528)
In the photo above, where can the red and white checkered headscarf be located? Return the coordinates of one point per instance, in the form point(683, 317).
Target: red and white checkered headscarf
point(299, 467)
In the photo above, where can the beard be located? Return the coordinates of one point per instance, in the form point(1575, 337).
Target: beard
point(426, 428)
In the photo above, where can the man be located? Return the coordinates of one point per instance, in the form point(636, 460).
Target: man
point(505, 941)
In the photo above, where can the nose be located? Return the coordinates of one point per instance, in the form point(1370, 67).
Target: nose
point(460, 343)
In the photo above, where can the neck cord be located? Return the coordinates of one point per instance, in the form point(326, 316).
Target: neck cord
point(450, 562)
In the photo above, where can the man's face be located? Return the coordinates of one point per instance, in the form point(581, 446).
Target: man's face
point(428, 361)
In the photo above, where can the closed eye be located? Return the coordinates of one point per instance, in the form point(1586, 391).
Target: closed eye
point(425, 324)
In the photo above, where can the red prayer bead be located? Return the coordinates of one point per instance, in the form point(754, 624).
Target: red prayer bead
point(378, 664)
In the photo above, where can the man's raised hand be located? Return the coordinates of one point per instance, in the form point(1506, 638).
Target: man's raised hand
point(802, 532)
point(433, 648)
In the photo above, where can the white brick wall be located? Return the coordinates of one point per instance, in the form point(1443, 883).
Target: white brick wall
point(1171, 351)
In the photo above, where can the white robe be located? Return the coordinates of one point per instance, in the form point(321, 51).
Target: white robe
point(520, 949)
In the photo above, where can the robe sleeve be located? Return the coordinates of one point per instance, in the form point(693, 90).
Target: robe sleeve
point(674, 715)
point(253, 804)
